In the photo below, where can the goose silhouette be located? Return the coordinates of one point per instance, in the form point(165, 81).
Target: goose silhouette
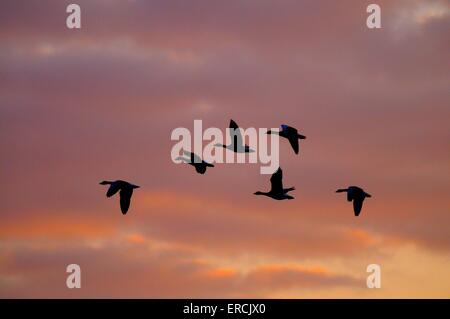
point(291, 134)
point(126, 191)
point(357, 195)
point(277, 191)
point(237, 145)
point(195, 160)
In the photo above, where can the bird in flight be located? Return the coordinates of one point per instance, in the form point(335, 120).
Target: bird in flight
point(237, 145)
point(357, 195)
point(126, 191)
point(291, 134)
point(195, 160)
point(277, 191)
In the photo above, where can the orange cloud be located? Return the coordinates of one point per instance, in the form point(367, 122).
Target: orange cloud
point(136, 239)
point(221, 273)
point(57, 226)
point(361, 236)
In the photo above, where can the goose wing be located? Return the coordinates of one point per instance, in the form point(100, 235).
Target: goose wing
point(114, 188)
point(125, 199)
point(235, 134)
point(292, 135)
point(194, 157)
point(293, 140)
point(184, 160)
point(357, 205)
point(276, 181)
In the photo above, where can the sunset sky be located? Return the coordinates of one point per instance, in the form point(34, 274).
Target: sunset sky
point(81, 106)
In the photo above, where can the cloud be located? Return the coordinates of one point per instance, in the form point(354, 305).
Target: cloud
point(285, 277)
point(80, 107)
point(150, 272)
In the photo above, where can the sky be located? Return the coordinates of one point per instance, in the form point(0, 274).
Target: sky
point(81, 106)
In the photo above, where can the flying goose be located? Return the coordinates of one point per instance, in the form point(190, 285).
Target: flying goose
point(277, 191)
point(126, 190)
point(357, 195)
point(237, 145)
point(291, 134)
point(195, 160)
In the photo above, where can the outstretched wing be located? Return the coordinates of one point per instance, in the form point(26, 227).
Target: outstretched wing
point(357, 205)
point(235, 134)
point(125, 199)
point(276, 181)
point(293, 140)
point(233, 125)
point(292, 135)
point(114, 188)
point(194, 157)
point(184, 160)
